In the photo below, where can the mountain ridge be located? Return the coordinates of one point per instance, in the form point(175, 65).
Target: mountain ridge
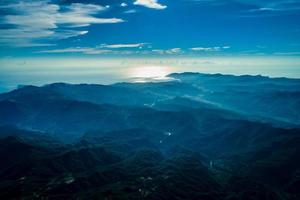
point(203, 137)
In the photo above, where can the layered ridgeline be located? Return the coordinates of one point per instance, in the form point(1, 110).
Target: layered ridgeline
point(197, 136)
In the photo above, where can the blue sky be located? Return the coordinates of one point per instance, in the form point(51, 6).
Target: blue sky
point(141, 28)
point(105, 41)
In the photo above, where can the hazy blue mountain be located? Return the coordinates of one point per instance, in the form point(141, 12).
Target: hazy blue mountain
point(275, 98)
point(199, 136)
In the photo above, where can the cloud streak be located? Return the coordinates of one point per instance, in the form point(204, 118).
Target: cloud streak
point(210, 49)
point(84, 50)
point(101, 49)
point(119, 46)
point(39, 23)
point(257, 6)
point(168, 51)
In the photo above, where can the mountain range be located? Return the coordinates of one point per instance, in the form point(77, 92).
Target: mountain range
point(197, 136)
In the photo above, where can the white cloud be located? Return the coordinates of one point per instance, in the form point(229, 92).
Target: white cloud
point(101, 49)
point(159, 51)
point(262, 6)
point(206, 49)
point(38, 21)
point(174, 51)
point(209, 49)
point(119, 46)
point(84, 50)
point(130, 11)
point(80, 8)
point(274, 5)
point(123, 4)
point(115, 49)
point(263, 9)
point(168, 51)
point(226, 47)
point(67, 50)
point(150, 4)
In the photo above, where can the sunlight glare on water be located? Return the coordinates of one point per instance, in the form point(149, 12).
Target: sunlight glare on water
point(149, 73)
point(40, 71)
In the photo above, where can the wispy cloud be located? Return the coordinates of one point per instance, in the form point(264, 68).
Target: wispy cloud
point(131, 11)
point(256, 6)
point(174, 51)
point(115, 49)
point(84, 50)
point(119, 46)
point(150, 4)
point(263, 9)
point(275, 5)
point(210, 49)
point(287, 53)
point(39, 23)
point(100, 49)
point(168, 51)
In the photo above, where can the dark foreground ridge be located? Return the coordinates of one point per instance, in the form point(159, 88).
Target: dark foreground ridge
point(198, 137)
